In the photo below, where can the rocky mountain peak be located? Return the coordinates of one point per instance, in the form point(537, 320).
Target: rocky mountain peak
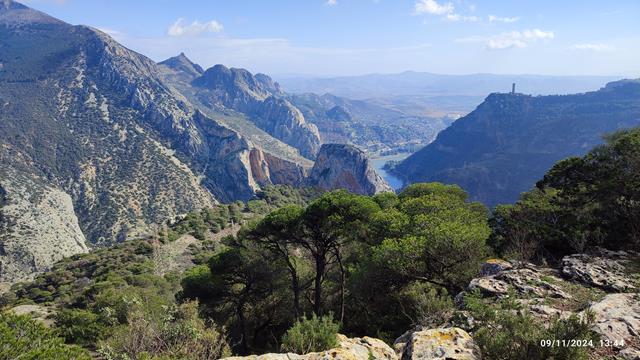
point(10, 5)
point(222, 78)
point(15, 14)
point(343, 166)
point(268, 83)
point(501, 148)
point(259, 97)
point(182, 63)
point(628, 87)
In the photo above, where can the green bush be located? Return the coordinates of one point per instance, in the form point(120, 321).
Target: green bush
point(311, 335)
point(177, 334)
point(580, 202)
point(78, 326)
point(23, 338)
point(426, 304)
point(508, 332)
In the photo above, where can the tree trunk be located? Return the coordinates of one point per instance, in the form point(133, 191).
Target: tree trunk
point(342, 284)
point(320, 267)
point(295, 287)
point(243, 328)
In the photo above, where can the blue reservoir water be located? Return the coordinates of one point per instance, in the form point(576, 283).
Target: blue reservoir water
point(379, 162)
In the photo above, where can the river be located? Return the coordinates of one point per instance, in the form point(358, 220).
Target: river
point(379, 163)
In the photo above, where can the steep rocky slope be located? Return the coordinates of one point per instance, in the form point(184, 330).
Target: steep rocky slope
point(89, 119)
point(341, 166)
point(38, 225)
point(258, 98)
point(508, 142)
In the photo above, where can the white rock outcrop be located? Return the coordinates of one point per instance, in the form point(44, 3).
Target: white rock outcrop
point(38, 226)
point(444, 343)
point(341, 166)
point(602, 268)
point(365, 348)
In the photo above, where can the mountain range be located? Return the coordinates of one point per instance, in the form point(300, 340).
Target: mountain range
point(510, 140)
point(98, 142)
point(413, 83)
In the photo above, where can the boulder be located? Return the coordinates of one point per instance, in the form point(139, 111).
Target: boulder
point(445, 343)
point(529, 280)
point(601, 268)
point(489, 286)
point(494, 266)
point(546, 312)
point(365, 348)
point(532, 280)
point(617, 318)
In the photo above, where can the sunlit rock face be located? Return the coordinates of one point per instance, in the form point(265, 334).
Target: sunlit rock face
point(341, 166)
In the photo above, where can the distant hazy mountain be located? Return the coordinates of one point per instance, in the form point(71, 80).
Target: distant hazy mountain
point(510, 140)
point(372, 127)
point(428, 84)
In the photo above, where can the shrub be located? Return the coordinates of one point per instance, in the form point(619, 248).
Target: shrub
point(78, 326)
point(311, 335)
point(179, 334)
point(23, 338)
point(508, 332)
point(426, 305)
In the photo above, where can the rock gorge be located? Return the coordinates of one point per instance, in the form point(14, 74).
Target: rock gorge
point(122, 142)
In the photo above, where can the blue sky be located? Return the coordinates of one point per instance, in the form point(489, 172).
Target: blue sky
point(349, 37)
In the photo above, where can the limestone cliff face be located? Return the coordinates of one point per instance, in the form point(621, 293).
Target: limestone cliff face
point(261, 100)
point(341, 166)
point(108, 140)
point(508, 142)
point(38, 226)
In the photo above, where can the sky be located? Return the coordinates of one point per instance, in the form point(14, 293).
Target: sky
point(354, 37)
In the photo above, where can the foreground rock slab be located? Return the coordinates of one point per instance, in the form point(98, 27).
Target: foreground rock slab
point(365, 348)
point(497, 278)
point(602, 268)
point(618, 318)
point(445, 343)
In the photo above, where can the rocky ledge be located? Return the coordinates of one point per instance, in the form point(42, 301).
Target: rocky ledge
point(446, 343)
point(348, 349)
point(605, 283)
point(341, 166)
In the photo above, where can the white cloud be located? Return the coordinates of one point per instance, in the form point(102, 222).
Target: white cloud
point(179, 28)
point(446, 10)
point(431, 7)
point(331, 2)
point(458, 17)
point(537, 34)
point(592, 47)
point(493, 18)
point(512, 39)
